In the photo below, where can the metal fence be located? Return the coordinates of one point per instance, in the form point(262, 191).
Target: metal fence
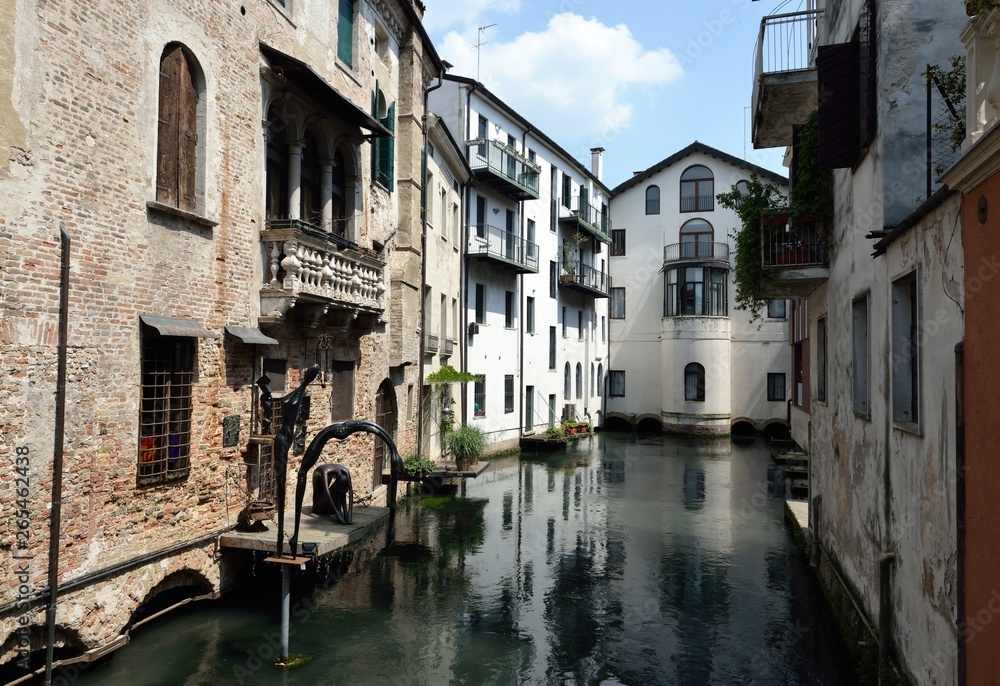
point(945, 129)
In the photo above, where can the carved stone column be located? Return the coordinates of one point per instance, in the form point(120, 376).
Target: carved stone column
point(295, 180)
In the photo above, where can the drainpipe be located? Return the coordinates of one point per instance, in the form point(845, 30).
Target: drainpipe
point(423, 263)
point(885, 616)
point(960, 504)
point(817, 504)
point(521, 296)
point(57, 451)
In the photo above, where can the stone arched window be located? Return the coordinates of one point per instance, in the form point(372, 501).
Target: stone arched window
point(694, 382)
point(180, 130)
point(385, 416)
point(567, 381)
point(600, 380)
point(697, 189)
point(579, 381)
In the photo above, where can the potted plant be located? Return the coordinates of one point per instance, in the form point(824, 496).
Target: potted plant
point(418, 466)
point(467, 443)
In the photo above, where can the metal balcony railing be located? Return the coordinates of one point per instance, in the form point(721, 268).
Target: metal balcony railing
point(691, 250)
point(498, 160)
point(583, 276)
point(589, 218)
point(789, 243)
point(497, 243)
point(785, 42)
point(697, 203)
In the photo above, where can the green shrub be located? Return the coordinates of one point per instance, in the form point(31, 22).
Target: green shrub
point(416, 464)
point(467, 442)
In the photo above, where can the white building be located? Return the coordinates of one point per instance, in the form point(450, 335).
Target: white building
point(536, 295)
point(446, 176)
point(682, 357)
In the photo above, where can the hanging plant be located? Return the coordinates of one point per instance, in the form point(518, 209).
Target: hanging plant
point(750, 202)
point(443, 378)
point(974, 7)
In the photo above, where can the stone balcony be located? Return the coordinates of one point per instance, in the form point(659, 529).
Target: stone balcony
point(700, 252)
point(316, 273)
point(785, 82)
point(982, 82)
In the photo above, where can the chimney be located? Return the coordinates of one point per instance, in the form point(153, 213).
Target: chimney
point(597, 162)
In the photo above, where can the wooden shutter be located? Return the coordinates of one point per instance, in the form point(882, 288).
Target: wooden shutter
point(187, 139)
point(166, 143)
point(837, 68)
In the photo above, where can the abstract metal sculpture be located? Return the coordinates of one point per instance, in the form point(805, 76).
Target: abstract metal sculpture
point(282, 442)
point(333, 492)
point(340, 431)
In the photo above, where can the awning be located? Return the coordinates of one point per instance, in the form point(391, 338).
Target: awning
point(250, 335)
point(170, 326)
point(308, 81)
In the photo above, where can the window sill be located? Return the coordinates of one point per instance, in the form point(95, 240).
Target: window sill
point(160, 208)
point(348, 71)
point(908, 427)
point(284, 10)
point(862, 415)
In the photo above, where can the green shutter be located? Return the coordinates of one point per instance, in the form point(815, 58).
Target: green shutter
point(386, 161)
point(345, 32)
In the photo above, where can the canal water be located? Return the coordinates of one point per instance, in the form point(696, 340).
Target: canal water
point(625, 560)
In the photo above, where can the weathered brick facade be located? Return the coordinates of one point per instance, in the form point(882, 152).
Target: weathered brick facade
point(78, 123)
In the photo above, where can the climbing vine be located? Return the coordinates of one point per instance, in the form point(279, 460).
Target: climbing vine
point(750, 200)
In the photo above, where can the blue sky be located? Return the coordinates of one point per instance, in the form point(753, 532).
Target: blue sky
point(641, 79)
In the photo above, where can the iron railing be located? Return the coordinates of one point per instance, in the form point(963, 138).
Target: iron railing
point(592, 218)
point(785, 42)
point(792, 243)
point(586, 276)
point(697, 203)
point(504, 162)
point(313, 230)
point(696, 250)
point(495, 242)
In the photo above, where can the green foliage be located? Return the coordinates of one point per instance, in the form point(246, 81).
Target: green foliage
point(749, 275)
point(417, 464)
point(951, 84)
point(811, 184)
point(467, 442)
point(448, 374)
point(555, 432)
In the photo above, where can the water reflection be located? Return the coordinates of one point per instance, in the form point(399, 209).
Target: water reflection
point(642, 561)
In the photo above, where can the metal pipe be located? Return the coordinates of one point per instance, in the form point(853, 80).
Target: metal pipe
point(87, 579)
point(286, 592)
point(814, 511)
point(960, 505)
point(885, 616)
point(57, 452)
point(929, 124)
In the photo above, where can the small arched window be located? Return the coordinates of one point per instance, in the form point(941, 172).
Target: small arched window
point(600, 380)
point(697, 189)
point(579, 381)
point(276, 173)
point(591, 378)
point(567, 381)
point(177, 138)
point(694, 382)
point(653, 200)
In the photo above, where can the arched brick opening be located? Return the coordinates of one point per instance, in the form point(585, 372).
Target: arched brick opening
point(776, 428)
point(649, 424)
point(616, 421)
point(172, 589)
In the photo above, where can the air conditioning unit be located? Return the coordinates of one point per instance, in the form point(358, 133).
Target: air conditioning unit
point(473, 328)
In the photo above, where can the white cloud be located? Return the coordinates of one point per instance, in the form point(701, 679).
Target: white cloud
point(444, 14)
point(572, 80)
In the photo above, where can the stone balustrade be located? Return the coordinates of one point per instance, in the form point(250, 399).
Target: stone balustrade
point(305, 267)
point(982, 84)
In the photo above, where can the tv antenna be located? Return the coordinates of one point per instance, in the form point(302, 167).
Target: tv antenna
point(479, 44)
